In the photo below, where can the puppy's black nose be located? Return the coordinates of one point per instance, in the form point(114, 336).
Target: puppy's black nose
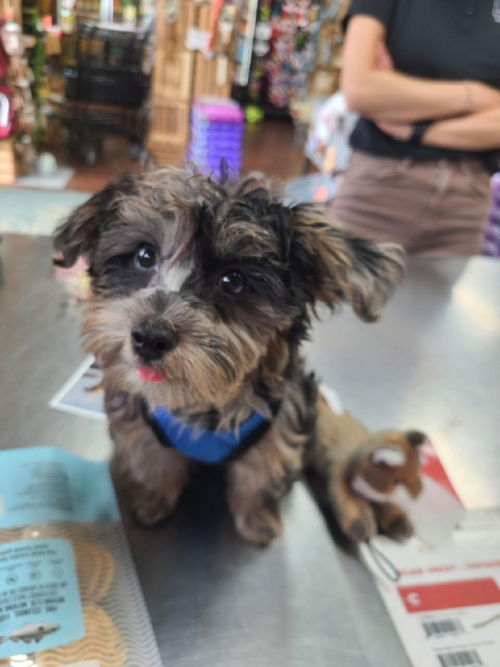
point(152, 341)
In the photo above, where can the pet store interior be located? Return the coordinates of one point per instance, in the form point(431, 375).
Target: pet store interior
point(90, 89)
point(353, 519)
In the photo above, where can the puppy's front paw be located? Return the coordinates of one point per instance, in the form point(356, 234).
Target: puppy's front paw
point(149, 507)
point(151, 477)
point(261, 526)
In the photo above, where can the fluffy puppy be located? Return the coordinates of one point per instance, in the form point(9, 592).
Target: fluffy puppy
point(202, 293)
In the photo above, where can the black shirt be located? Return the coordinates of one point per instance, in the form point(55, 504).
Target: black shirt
point(433, 39)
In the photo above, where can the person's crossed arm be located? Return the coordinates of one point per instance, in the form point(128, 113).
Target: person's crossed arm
point(467, 113)
point(474, 132)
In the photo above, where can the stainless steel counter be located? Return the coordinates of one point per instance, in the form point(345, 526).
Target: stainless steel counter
point(433, 362)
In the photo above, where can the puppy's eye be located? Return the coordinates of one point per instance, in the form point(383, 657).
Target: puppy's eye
point(146, 257)
point(233, 282)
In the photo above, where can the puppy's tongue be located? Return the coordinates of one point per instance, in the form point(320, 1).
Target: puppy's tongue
point(147, 374)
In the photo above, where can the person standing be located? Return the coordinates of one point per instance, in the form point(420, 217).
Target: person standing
point(424, 75)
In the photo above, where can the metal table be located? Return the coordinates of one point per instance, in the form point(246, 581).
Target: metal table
point(433, 362)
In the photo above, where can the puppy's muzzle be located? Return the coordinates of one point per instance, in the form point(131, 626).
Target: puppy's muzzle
point(152, 341)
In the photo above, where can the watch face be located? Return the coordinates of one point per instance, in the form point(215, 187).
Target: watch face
point(496, 11)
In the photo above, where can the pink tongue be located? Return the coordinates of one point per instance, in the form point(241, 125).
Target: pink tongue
point(147, 374)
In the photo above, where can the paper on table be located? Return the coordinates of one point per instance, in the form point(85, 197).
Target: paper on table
point(82, 394)
point(446, 604)
point(437, 511)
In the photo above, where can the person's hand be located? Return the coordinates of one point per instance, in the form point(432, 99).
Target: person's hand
point(401, 132)
point(383, 59)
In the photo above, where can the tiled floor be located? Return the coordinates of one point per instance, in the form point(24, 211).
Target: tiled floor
point(268, 146)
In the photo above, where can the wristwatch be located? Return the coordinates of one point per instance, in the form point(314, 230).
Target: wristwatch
point(419, 129)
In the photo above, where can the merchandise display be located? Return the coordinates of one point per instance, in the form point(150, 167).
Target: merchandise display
point(284, 51)
point(82, 70)
point(327, 145)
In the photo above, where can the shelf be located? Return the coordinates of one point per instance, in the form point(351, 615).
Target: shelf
point(84, 13)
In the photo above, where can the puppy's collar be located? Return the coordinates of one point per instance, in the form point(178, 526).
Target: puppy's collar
point(204, 445)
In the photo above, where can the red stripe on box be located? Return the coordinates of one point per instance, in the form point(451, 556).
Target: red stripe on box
point(432, 597)
point(430, 465)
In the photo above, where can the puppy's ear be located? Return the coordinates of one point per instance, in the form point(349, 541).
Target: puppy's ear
point(338, 267)
point(79, 234)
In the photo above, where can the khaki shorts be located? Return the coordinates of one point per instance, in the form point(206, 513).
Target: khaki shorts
point(430, 208)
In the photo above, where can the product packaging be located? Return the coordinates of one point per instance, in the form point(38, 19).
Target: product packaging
point(69, 593)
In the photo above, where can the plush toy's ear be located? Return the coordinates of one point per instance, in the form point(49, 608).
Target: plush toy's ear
point(339, 267)
point(416, 438)
point(79, 234)
point(389, 456)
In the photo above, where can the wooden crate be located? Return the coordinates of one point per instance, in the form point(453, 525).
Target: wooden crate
point(203, 17)
point(7, 162)
point(169, 132)
point(173, 78)
point(179, 76)
point(212, 77)
point(173, 68)
point(163, 154)
point(171, 37)
point(169, 122)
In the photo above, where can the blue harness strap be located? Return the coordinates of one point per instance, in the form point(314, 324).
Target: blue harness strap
point(204, 445)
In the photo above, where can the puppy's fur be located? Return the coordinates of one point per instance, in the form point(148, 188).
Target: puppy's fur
point(235, 353)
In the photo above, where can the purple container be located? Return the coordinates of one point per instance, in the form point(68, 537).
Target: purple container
point(491, 244)
point(217, 140)
point(216, 135)
point(201, 125)
point(495, 183)
point(220, 113)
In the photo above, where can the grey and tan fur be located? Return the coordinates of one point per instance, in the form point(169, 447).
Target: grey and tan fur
point(232, 278)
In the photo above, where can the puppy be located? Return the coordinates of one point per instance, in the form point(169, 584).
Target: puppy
point(202, 293)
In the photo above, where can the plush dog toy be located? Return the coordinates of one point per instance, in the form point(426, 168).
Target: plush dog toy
point(363, 471)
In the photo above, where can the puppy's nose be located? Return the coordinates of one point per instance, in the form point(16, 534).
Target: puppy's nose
point(152, 341)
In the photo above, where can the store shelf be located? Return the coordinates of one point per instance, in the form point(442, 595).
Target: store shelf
point(83, 13)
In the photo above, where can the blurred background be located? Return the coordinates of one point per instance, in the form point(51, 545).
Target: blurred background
point(90, 88)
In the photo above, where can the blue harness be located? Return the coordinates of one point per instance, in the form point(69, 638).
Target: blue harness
point(204, 445)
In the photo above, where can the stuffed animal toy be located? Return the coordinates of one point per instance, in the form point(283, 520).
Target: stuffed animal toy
point(365, 473)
